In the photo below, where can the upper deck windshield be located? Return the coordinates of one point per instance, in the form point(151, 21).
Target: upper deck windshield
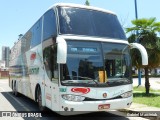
point(96, 64)
point(80, 21)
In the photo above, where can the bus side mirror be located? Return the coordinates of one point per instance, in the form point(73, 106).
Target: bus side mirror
point(61, 50)
point(142, 51)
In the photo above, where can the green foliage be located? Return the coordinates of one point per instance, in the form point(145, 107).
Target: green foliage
point(151, 99)
point(144, 31)
point(147, 30)
point(144, 25)
point(87, 3)
point(142, 89)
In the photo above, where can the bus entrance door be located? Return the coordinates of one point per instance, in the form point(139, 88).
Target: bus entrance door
point(48, 92)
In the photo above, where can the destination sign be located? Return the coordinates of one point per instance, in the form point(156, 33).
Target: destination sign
point(83, 49)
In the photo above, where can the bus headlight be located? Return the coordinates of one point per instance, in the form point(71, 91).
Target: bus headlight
point(74, 98)
point(127, 94)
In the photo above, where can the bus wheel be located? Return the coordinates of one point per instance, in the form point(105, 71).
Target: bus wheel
point(41, 107)
point(15, 90)
point(12, 88)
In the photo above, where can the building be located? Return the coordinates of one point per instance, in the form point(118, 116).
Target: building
point(5, 55)
point(3, 71)
point(2, 64)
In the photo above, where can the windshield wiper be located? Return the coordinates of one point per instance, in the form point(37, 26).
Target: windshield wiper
point(68, 81)
point(94, 81)
point(77, 83)
point(80, 80)
point(87, 78)
point(118, 81)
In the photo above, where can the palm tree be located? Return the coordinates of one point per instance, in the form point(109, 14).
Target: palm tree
point(147, 30)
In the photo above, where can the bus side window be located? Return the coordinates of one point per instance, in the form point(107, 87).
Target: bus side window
point(50, 62)
point(36, 31)
point(49, 25)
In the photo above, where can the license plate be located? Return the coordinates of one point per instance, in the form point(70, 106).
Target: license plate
point(104, 106)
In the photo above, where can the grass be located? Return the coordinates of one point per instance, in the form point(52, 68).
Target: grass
point(153, 99)
point(142, 89)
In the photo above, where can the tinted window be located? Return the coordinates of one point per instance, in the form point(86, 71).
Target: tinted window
point(84, 60)
point(89, 22)
point(36, 33)
point(49, 26)
point(87, 66)
point(26, 41)
point(117, 60)
point(50, 61)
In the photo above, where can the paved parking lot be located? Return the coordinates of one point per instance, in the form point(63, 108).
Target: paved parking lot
point(154, 83)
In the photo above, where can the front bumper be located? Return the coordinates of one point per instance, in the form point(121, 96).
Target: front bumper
point(72, 108)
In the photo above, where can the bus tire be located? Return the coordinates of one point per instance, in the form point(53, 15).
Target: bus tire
point(15, 89)
point(12, 87)
point(39, 99)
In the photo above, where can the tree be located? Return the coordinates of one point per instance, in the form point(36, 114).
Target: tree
point(87, 3)
point(145, 31)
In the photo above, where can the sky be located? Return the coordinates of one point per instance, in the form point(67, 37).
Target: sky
point(18, 16)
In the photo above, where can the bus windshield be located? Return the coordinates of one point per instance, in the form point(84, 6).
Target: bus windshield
point(96, 64)
point(80, 21)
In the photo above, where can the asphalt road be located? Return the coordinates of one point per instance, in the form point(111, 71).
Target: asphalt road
point(9, 104)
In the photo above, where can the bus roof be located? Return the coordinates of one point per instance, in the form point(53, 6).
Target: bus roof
point(81, 6)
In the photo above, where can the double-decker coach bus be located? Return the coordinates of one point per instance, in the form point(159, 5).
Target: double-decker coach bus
point(74, 58)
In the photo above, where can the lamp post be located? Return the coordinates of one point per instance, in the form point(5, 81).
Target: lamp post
point(136, 15)
point(135, 3)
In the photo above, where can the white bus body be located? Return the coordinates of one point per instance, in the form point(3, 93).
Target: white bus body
point(74, 58)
